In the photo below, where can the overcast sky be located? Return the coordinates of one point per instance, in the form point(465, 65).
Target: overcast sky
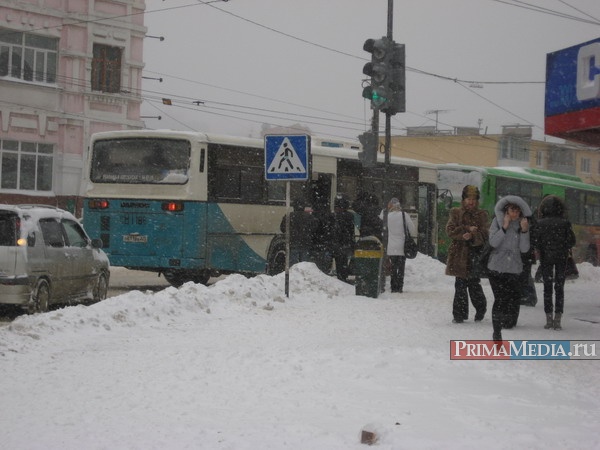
point(282, 62)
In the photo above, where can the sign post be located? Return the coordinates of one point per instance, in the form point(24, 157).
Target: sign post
point(287, 157)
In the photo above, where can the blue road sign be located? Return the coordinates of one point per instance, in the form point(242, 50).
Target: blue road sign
point(287, 157)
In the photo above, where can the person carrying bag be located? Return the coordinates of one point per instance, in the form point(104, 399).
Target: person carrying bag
point(400, 228)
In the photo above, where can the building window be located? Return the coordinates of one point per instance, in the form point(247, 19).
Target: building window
point(585, 165)
point(26, 165)
point(106, 68)
point(539, 159)
point(514, 148)
point(27, 56)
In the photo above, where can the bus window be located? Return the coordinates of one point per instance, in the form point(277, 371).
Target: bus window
point(592, 207)
point(575, 201)
point(528, 191)
point(236, 174)
point(348, 186)
point(276, 191)
point(140, 161)
point(455, 180)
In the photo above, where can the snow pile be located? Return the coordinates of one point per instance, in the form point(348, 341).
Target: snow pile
point(238, 365)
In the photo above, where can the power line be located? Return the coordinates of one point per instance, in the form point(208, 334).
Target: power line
point(532, 7)
point(580, 11)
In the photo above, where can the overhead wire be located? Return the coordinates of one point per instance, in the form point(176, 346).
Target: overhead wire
point(532, 7)
point(459, 81)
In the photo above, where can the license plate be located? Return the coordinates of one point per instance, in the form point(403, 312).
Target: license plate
point(138, 238)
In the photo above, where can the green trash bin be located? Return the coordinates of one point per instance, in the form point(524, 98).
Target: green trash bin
point(367, 257)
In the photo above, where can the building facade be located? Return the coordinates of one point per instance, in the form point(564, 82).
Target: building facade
point(68, 68)
point(514, 147)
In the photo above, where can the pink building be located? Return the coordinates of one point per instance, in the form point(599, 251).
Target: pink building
point(68, 68)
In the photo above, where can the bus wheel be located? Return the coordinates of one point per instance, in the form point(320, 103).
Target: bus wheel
point(178, 277)
point(276, 261)
point(199, 276)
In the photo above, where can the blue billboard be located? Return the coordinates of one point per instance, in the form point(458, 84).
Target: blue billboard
point(572, 107)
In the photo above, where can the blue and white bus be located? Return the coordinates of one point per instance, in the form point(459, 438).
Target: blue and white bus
point(192, 205)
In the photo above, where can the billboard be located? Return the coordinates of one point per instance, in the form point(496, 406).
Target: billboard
point(572, 108)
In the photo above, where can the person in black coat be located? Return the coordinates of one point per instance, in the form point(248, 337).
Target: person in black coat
point(367, 207)
point(553, 238)
point(321, 252)
point(302, 229)
point(343, 237)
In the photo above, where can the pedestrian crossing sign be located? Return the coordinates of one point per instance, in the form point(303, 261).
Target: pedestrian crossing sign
point(287, 157)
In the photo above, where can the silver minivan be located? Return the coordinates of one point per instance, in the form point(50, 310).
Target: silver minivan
point(46, 257)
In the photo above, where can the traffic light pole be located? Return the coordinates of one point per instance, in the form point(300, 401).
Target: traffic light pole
point(387, 160)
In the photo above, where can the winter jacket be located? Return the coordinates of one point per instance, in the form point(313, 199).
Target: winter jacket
point(303, 225)
point(553, 235)
point(458, 263)
point(509, 244)
point(396, 236)
point(324, 232)
point(370, 223)
point(344, 229)
point(554, 238)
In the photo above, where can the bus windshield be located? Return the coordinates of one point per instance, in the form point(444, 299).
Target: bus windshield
point(140, 161)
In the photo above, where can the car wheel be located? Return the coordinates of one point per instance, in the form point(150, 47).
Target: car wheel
point(41, 297)
point(101, 289)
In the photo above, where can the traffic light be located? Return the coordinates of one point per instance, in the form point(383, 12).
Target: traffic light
point(387, 72)
point(378, 70)
point(397, 81)
point(370, 144)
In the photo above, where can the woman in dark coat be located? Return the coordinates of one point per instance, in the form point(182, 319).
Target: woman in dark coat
point(467, 227)
point(553, 239)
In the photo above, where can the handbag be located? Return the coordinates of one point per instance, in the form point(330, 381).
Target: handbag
point(410, 246)
point(571, 271)
point(479, 257)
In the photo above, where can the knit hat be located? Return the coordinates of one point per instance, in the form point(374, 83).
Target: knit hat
point(394, 204)
point(470, 191)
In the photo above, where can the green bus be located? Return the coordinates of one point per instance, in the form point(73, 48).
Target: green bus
point(582, 200)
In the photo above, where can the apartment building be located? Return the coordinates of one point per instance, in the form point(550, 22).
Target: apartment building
point(68, 68)
point(514, 147)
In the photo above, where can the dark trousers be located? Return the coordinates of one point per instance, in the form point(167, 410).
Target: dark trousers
point(553, 275)
point(299, 255)
point(322, 257)
point(463, 289)
point(528, 295)
point(341, 256)
point(397, 273)
point(507, 299)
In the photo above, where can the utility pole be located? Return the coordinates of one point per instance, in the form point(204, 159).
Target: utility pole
point(387, 92)
point(387, 161)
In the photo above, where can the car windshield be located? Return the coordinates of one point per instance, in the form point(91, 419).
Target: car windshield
point(140, 161)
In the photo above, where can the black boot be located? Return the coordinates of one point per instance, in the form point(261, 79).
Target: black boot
point(549, 322)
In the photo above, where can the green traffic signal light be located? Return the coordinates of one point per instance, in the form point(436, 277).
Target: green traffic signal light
point(375, 95)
